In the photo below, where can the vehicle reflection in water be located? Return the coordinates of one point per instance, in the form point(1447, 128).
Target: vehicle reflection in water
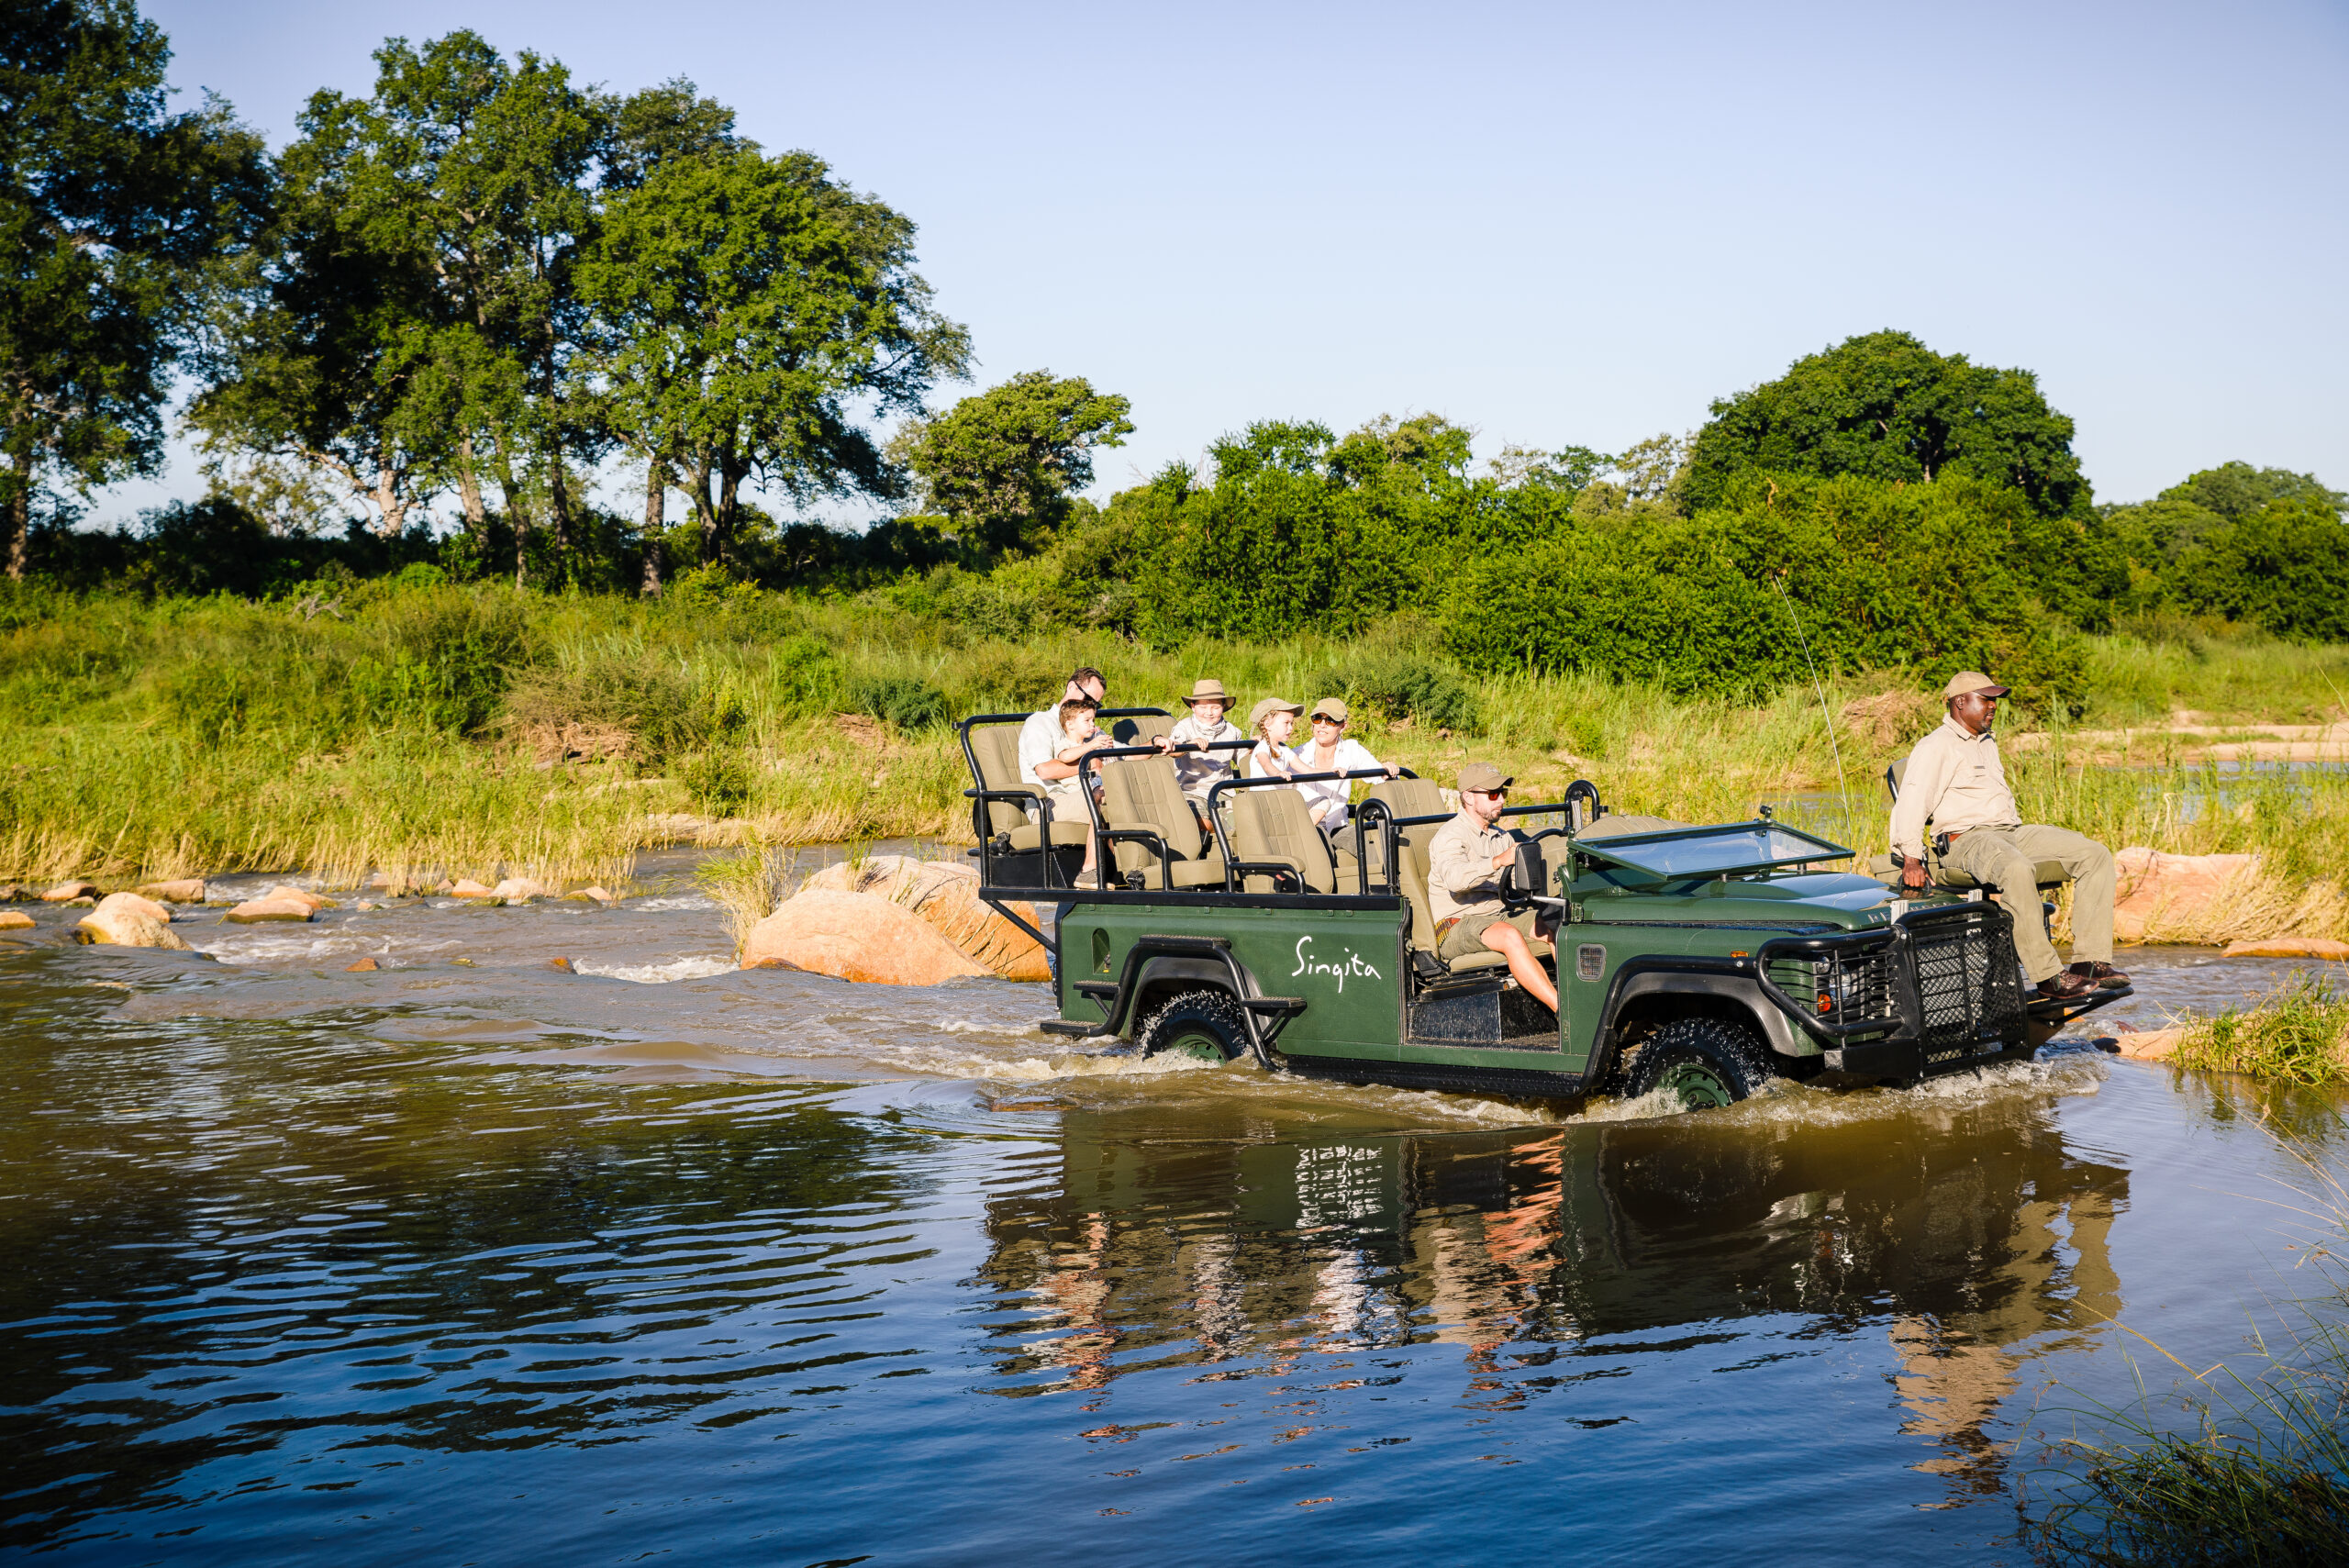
point(1974, 1237)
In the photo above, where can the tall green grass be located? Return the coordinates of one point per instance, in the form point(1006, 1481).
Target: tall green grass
point(479, 731)
point(2298, 1033)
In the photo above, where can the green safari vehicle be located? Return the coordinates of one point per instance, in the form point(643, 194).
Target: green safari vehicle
point(1699, 959)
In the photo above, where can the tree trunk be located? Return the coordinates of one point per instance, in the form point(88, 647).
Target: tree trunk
point(656, 507)
point(704, 511)
point(468, 492)
point(387, 496)
point(517, 514)
point(558, 509)
point(730, 486)
point(20, 514)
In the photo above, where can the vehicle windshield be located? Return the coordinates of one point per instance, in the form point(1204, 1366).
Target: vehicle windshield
point(1713, 851)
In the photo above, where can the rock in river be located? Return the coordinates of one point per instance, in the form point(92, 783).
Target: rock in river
point(2167, 897)
point(946, 896)
point(14, 920)
point(300, 895)
point(253, 911)
point(66, 892)
point(466, 887)
point(123, 921)
point(518, 890)
point(855, 936)
point(189, 890)
point(2288, 947)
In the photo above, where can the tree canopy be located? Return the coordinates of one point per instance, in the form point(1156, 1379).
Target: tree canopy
point(1884, 406)
point(1005, 460)
point(118, 217)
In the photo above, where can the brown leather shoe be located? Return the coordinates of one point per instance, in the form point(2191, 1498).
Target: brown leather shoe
point(2104, 975)
point(2065, 986)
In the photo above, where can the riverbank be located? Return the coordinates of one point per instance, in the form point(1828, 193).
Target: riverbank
point(483, 734)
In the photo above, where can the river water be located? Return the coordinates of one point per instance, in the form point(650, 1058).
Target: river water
point(473, 1260)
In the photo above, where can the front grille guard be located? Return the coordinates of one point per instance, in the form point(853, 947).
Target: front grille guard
point(1907, 1011)
point(1898, 946)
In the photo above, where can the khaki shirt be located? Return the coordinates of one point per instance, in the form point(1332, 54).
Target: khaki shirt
point(1954, 780)
point(1196, 772)
point(1461, 876)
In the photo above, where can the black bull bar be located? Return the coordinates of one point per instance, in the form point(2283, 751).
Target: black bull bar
point(1879, 967)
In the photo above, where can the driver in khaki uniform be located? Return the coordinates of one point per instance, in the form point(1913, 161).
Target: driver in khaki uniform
point(1464, 861)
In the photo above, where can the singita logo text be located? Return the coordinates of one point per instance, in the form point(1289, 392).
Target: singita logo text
point(1352, 964)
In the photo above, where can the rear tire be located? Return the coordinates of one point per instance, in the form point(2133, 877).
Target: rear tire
point(1206, 1025)
point(1708, 1063)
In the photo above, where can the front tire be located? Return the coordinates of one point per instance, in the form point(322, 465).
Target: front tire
point(1205, 1024)
point(1706, 1063)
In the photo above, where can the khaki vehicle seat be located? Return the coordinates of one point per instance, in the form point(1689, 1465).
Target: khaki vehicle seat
point(996, 747)
point(1405, 797)
point(1274, 825)
point(1412, 860)
point(1143, 792)
point(2049, 874)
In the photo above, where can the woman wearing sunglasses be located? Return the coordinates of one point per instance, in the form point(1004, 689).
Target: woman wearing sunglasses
point(1332, 750)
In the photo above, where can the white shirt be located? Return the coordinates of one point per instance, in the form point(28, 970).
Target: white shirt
point(1040, 742)
point(1352, 756)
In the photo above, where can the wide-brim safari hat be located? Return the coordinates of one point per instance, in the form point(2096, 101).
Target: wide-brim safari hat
point(1205, 690)
point(1267, 707)
point(1334, 707)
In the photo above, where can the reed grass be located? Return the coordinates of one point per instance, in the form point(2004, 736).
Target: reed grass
point(2299, 1033)
point(482, 733)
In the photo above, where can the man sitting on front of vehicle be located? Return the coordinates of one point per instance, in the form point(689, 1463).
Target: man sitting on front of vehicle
point(1954, 783)
point(1464, 861)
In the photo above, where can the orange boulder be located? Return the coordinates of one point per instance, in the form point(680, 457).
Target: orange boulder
point(946, 896)
point(855, 936)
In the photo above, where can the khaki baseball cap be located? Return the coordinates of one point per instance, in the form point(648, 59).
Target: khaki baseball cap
point(1967, 681)
point(1267, 707)
point(1206, 690)
point(1334, 707)
point(1483, 777)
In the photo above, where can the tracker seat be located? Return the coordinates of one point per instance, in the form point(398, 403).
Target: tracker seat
point(2049, 874)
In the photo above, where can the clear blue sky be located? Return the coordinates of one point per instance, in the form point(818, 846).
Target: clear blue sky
point(1555, 224)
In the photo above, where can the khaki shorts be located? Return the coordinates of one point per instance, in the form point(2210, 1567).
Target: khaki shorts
point(1467, 934)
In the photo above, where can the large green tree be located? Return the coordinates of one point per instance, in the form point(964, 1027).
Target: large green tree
point(749, 313)
point(419, 311)
point(1884, 406)
point(115, 216)
point(1006, 460)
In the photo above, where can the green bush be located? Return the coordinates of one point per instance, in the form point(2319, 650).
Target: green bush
point(900, 701)
point(1402, 685)
point(719, 780)
point(649, 697)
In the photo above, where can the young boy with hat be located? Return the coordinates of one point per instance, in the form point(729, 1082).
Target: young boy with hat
point(1199, 772)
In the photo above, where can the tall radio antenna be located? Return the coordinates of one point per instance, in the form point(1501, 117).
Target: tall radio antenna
point(1842, 784)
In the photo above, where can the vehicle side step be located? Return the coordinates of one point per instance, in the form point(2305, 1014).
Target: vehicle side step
point(1074, 1029)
